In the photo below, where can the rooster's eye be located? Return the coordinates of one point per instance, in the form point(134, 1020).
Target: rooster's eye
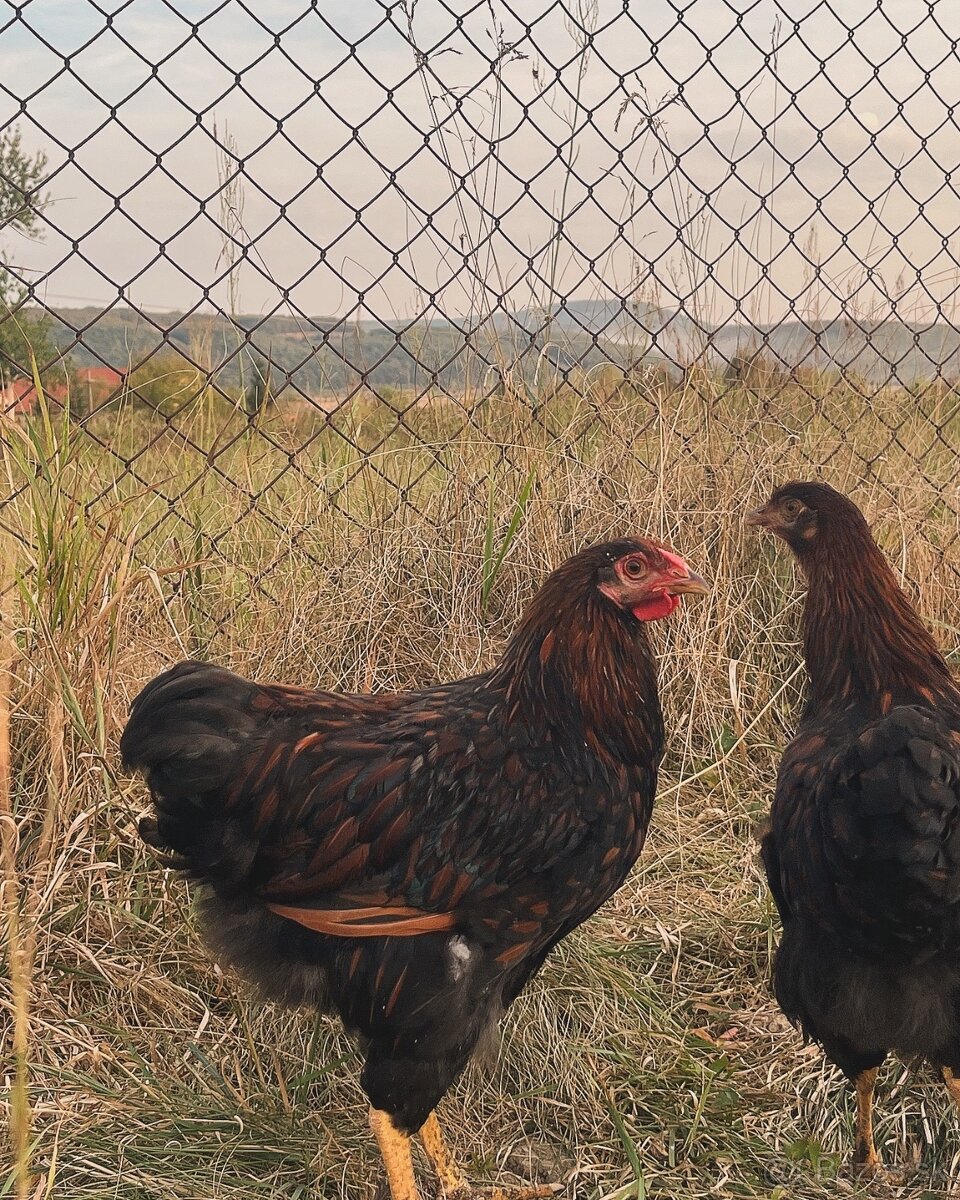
point(792, 508)
point(633, 567)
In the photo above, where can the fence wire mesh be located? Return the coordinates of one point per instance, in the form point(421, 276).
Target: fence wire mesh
point(589, 248)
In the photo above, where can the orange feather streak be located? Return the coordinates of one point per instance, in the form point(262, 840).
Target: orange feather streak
point(398, 921)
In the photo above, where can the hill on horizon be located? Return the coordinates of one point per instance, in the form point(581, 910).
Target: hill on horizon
point(321, 354)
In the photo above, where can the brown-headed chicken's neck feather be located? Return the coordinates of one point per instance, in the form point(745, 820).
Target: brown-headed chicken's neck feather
point(863, 639)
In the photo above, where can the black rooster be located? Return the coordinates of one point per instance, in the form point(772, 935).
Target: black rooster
point(863, 856)
point(409, 861)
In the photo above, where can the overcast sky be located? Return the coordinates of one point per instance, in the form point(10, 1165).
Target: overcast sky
point(454, 167)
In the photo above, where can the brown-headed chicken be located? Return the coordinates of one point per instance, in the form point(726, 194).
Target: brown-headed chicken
point(863, 857)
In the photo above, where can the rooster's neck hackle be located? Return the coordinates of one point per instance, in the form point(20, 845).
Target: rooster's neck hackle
point(585, 671)
point(864, 641)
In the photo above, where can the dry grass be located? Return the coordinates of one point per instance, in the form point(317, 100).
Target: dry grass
point(649, 1059)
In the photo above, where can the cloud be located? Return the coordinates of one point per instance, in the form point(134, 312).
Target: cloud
point(499, 155)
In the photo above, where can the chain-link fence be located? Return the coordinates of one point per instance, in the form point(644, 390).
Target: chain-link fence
point(579, 248)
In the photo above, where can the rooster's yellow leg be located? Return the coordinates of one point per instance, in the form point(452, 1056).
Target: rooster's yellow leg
point(453, 1182)
point(449, 1175)
point(953, 1085)
point(397, 1158)
point(865, 1156)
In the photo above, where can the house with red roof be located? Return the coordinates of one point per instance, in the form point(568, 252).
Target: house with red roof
point(92, 386)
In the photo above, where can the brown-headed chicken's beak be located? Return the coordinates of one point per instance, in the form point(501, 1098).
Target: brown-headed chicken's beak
point(756, 518)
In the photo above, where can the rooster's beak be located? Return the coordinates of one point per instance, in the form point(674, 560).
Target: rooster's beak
point(679, 579)
point(691, 584)
point(756, 518)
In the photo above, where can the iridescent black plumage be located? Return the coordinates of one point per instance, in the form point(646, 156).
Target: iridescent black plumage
point(479, 821)
point(863, 855)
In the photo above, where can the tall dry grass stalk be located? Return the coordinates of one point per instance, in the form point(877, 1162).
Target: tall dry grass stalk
point(18, 948)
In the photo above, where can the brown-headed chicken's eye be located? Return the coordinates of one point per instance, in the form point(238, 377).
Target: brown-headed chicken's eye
point(633, 568)
point(791, 508)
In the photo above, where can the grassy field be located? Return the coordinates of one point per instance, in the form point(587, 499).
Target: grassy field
point(367, 551)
